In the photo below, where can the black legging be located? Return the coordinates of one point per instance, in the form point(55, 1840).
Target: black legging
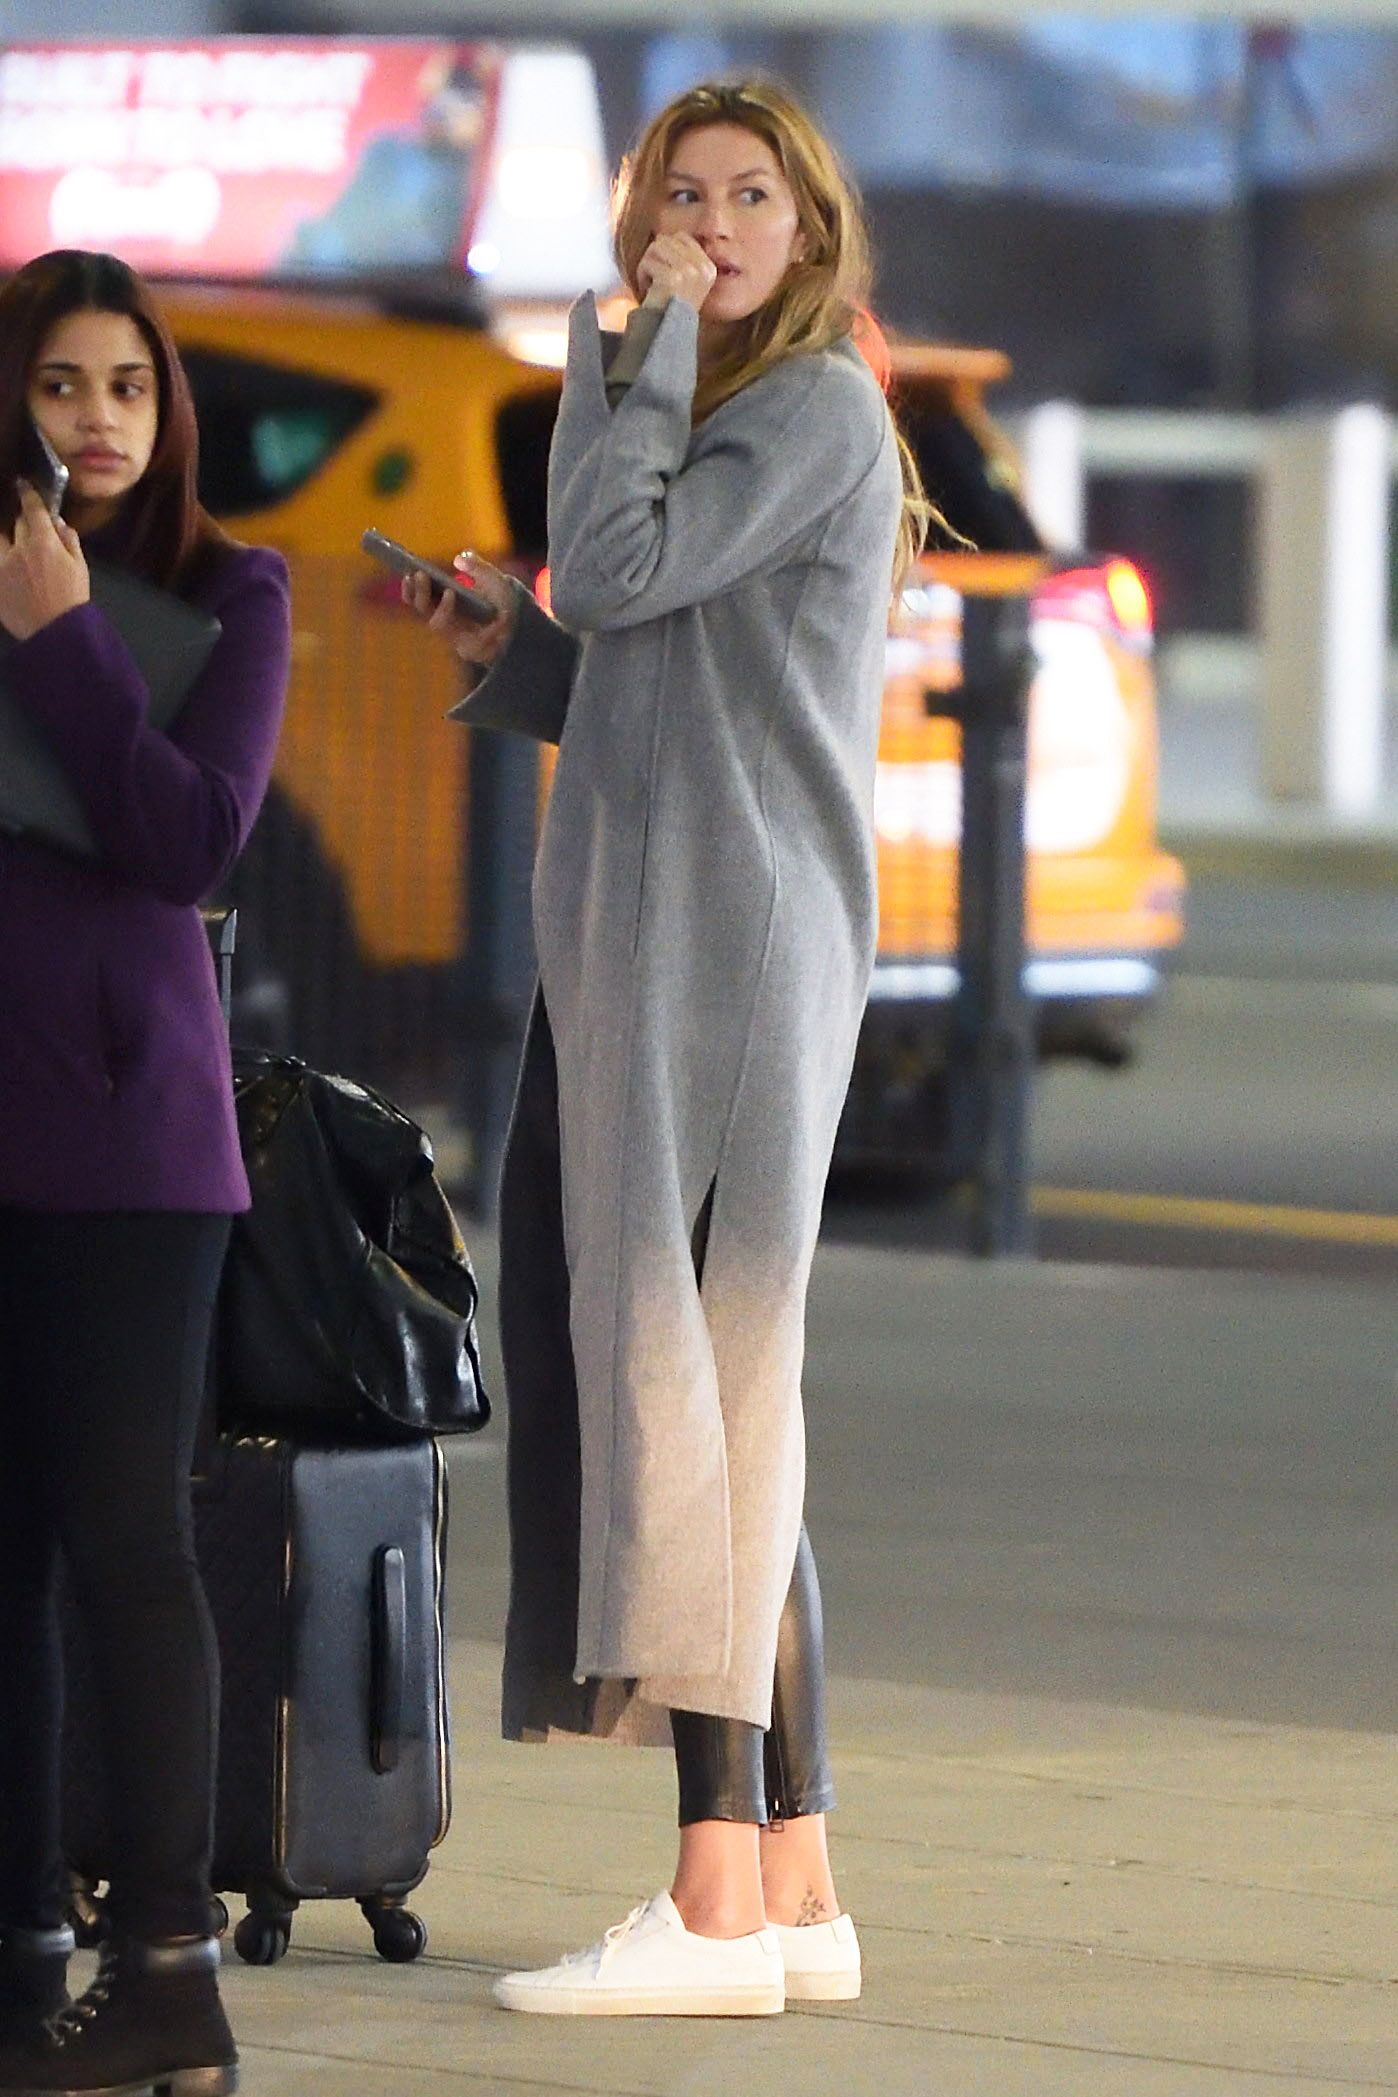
point(104, 1334)
point(728, 1769)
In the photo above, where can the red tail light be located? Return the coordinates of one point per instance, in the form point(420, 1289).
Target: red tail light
point(1111, 595)
point(1130, 599)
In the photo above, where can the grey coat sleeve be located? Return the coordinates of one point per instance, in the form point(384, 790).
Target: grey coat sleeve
point(527, 688)
point(642, 326)
point(640, 526)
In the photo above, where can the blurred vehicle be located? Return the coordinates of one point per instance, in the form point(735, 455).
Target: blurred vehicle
point(1104, 903)
point(320, 415)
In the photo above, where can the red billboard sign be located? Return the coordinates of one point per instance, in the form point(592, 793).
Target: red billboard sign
point(248, 156)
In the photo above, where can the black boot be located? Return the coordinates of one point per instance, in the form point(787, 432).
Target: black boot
point(151, 2021)
point(33, 1980)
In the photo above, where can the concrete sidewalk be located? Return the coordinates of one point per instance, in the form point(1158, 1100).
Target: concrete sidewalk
point(1109, 1561)
point(1054, 1900)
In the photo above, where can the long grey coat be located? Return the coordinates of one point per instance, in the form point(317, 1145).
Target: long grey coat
point(705, 911)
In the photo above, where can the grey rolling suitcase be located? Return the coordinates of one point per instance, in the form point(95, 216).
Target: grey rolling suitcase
point(324, 1569)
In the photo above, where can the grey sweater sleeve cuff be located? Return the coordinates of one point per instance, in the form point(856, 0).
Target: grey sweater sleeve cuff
point(527, 689)
point(625, 367)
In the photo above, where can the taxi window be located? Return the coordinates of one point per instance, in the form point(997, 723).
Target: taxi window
point(969, 486)
point(264, 429)
point(523, 433)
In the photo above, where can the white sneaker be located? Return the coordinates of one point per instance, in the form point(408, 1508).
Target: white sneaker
point(652, 1966)
point(821, 1960)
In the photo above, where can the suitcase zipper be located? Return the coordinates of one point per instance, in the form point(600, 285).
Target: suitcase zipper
point(439, 1541)
point(279, 1815)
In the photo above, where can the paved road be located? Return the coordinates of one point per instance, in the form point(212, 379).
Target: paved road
point(1269, 1075)
point(1110, 1568)
point(1162, 1489)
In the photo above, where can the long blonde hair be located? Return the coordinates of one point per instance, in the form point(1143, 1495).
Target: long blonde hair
point(824, 295)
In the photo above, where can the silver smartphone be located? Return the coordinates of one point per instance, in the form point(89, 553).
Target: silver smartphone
point(46, 472)
point(472, 602)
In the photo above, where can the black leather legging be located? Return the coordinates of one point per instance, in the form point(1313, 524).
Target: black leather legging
point(727, 1770)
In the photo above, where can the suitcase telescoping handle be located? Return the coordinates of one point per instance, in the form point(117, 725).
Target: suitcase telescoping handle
point(390, 1630)
point(222, 928)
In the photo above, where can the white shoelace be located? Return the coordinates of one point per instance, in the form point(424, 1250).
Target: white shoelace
point(598, 1954)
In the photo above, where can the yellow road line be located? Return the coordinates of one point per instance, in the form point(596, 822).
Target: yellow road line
point(1182, 1212)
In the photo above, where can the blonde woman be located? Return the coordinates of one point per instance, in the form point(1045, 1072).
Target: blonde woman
point(727, 505)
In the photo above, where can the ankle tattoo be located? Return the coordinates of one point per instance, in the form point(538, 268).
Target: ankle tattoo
point(812, 1909)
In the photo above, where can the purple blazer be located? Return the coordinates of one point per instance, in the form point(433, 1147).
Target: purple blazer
point(115, 1090)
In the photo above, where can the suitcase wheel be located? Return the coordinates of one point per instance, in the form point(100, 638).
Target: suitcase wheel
point(220, 1916)
point(399, 1935)
point(262, 1939)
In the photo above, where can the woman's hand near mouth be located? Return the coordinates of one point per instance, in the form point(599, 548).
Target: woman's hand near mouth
point(674, 266)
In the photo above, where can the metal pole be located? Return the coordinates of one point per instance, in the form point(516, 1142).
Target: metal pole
point(992, 1045)
point(498, 962)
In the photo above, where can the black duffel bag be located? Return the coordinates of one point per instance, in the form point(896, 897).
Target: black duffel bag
point(348, 1303)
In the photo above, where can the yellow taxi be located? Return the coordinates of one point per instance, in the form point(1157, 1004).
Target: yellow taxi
point(322, 414)
point(1104, 904)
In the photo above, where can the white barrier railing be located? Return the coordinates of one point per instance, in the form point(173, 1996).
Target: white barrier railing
point(1323, 481)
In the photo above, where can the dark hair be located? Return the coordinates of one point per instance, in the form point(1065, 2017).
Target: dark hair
point(167, 527)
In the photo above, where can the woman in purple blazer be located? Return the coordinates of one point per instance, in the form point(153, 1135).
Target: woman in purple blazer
point(119, 1171)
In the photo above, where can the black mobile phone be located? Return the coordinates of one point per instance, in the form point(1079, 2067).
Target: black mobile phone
point(473, 602)
point(45, 471)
